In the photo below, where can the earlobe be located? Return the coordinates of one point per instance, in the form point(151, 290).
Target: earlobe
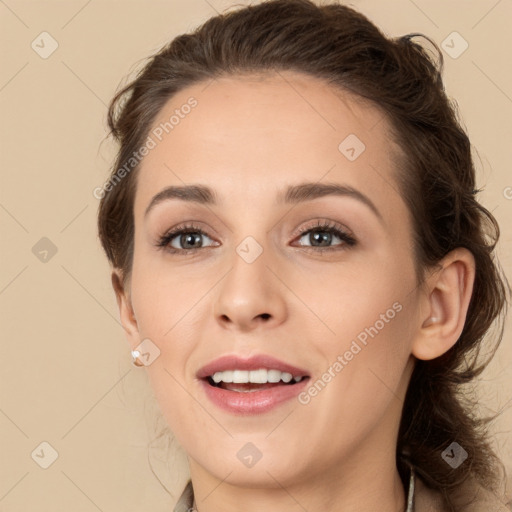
point(124, 304)
point(447, 300)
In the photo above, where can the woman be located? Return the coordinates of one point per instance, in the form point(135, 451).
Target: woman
point(302, 266)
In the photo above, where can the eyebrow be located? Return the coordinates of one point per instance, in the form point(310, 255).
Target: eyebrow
point(294, 194)
point(308, 191)
point(192, 193)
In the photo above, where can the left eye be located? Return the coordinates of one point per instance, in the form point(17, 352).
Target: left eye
point(324, 237)
point(185, 240)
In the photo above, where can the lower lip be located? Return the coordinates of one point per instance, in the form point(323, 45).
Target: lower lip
point(252, 402)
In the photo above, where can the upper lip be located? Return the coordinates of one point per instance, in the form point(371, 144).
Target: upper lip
point(235, 362)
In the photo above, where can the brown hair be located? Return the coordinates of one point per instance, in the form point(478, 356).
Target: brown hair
point(435, 174)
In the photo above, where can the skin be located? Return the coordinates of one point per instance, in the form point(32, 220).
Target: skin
point(248, 138)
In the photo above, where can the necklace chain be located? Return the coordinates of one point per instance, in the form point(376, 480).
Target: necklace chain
point(410, 493)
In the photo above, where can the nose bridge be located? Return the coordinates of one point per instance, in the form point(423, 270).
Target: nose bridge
point(250, 293)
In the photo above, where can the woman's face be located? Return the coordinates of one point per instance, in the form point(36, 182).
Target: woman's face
point(275, 264)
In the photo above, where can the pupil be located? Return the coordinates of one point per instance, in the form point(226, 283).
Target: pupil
point(190, 236)
point(319, 237)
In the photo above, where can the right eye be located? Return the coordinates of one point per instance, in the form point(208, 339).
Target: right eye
point(183, 239)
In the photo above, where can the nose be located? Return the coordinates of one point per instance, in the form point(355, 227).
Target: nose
point(250, 296)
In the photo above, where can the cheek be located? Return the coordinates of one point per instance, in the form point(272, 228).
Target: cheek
point(370, 342)
point(350, 302)
point(366, 329)
point(163, 299)
point(173, 309)
point(363, 373)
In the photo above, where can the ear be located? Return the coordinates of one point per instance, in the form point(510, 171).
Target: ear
point(445, 305)
point(126, 313)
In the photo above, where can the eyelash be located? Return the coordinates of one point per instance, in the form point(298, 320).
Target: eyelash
point(323, 226)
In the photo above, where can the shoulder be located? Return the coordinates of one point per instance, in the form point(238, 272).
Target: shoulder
point(471, 497)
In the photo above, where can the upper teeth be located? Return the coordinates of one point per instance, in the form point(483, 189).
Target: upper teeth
point(261, 376)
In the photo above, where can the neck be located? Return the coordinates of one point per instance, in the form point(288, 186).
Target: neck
point(351, 488)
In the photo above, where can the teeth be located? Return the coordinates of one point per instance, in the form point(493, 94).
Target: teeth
point(240, 376)
point(273, 376)
point(260, 376)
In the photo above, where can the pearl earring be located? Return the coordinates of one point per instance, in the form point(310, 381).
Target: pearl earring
point(135, 358)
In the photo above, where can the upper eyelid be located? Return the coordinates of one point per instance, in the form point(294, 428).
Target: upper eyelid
point(325, 224)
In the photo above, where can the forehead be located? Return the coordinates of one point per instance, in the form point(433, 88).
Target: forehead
point(248, 136)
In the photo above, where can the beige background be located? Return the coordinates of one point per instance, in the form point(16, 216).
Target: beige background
point(66, 376)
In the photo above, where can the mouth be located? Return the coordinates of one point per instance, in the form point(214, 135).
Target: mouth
point(250, 381)
point(251, 386)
